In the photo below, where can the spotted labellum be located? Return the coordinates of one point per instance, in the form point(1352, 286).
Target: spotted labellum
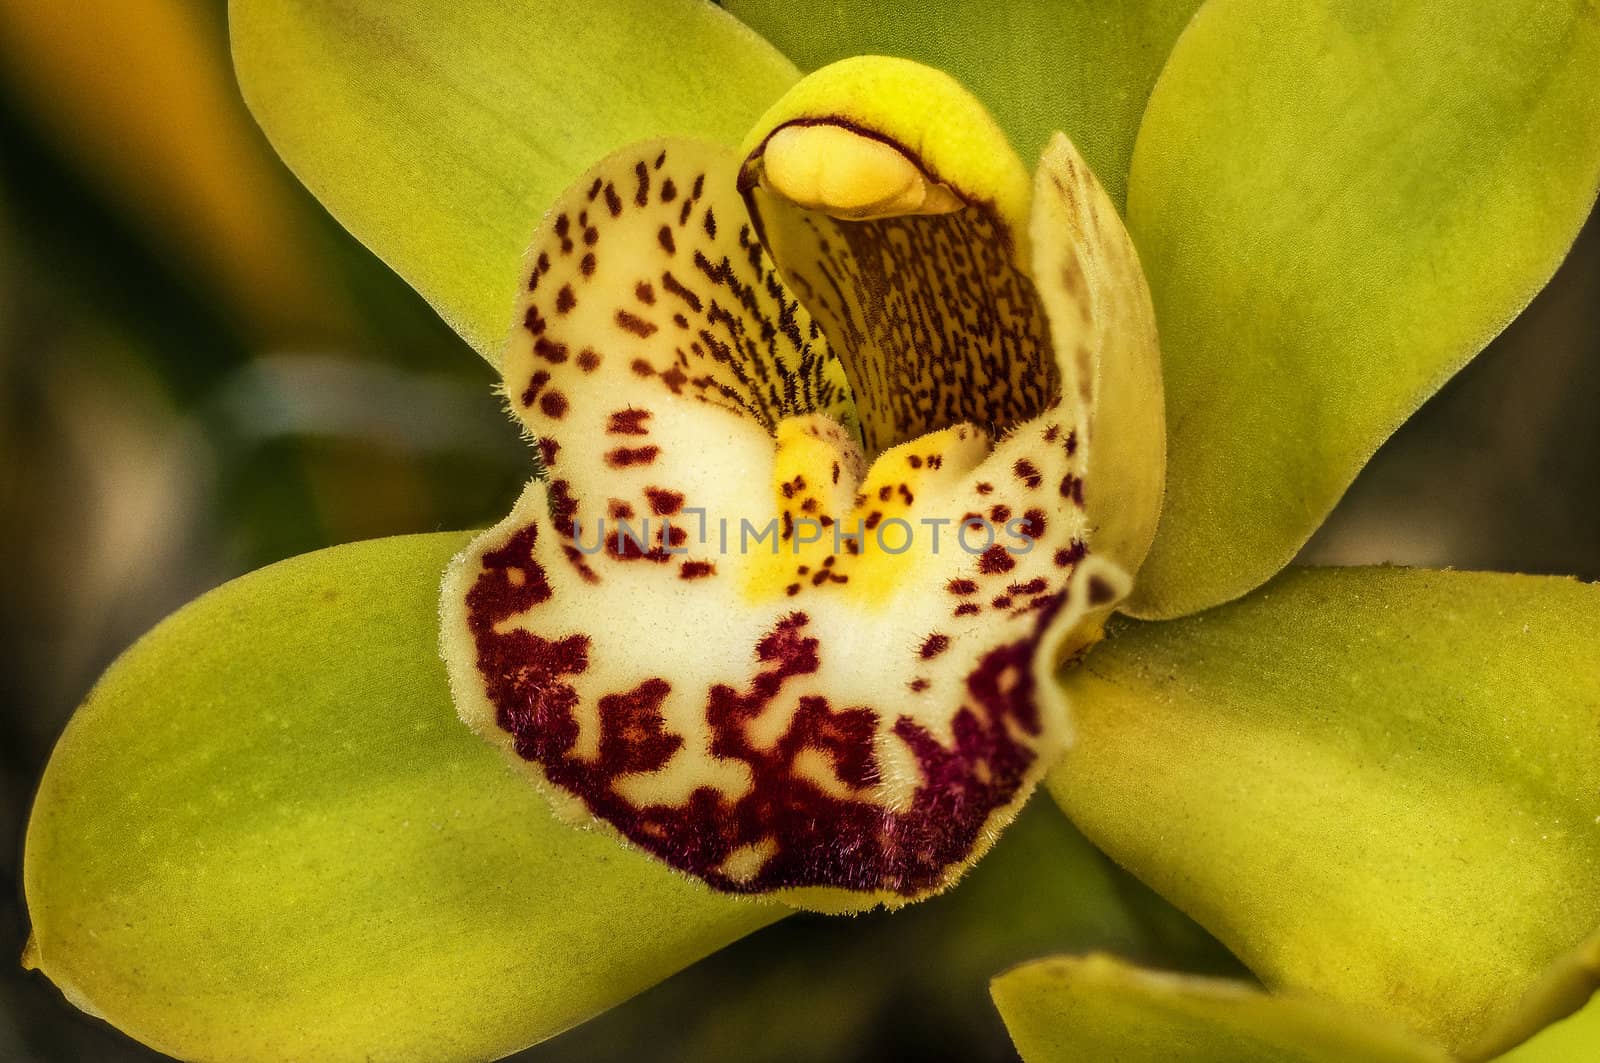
point(817, 426)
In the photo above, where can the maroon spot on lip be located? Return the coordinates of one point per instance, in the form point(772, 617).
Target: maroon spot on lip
point(934, 645)
point(664, 238)
point(641, 194)
point(588, 360)
point(629, 422)
point(1072, 554)
point(676, 288)
point(536, 384)
point(637, 325)
point(696, 569)
point(663, 503)
point(962, 586)
point(554, 353)
point(565, 299)
point(626, 457)
point(553, 404)
point(996, 560)
point(1028, 473)
point(1072, 487)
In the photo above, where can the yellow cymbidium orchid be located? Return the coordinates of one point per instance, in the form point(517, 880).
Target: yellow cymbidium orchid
point(850, 316)
point(778, 651)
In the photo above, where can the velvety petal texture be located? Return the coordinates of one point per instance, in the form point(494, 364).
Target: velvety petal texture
point(1338, 204)
point(778, 654)
point(437, 133)
point(1576, 1037)
point(266, 836)
point(1084, 67)
point(1380, 785)
point(1072, 1009)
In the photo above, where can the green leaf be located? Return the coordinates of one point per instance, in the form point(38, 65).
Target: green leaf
point(1083, 67)
point(266, 836)
point(1380, 785)
point(1065, 1009)
point(439, 133)
point(1338, 204)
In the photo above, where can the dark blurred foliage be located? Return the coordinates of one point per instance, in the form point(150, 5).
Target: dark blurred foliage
point(165, 425)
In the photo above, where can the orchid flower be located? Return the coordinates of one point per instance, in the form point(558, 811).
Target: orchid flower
point(1133, 335)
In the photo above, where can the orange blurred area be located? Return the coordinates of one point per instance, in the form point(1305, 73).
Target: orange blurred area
point(202, 374)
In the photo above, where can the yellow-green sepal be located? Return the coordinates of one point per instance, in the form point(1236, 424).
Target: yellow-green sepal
point(1378, 785)
point(1338, 205)
point(438, 134)
point(267, 836)
point(1066, 1009)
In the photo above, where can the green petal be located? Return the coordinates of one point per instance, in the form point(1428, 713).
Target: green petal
point(266, 836)
point(1038, 66)
point(1577, 1037)
point(1338, 204)
point(1095, 1007)
point(1381, 785)
point(439, 133)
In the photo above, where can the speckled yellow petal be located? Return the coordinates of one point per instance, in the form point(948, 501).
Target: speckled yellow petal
point(1104, 330)
point(956, 292)
point(926, 298)
point(718, 629)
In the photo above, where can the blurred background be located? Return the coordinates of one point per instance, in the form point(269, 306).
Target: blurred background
point(200, 374)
